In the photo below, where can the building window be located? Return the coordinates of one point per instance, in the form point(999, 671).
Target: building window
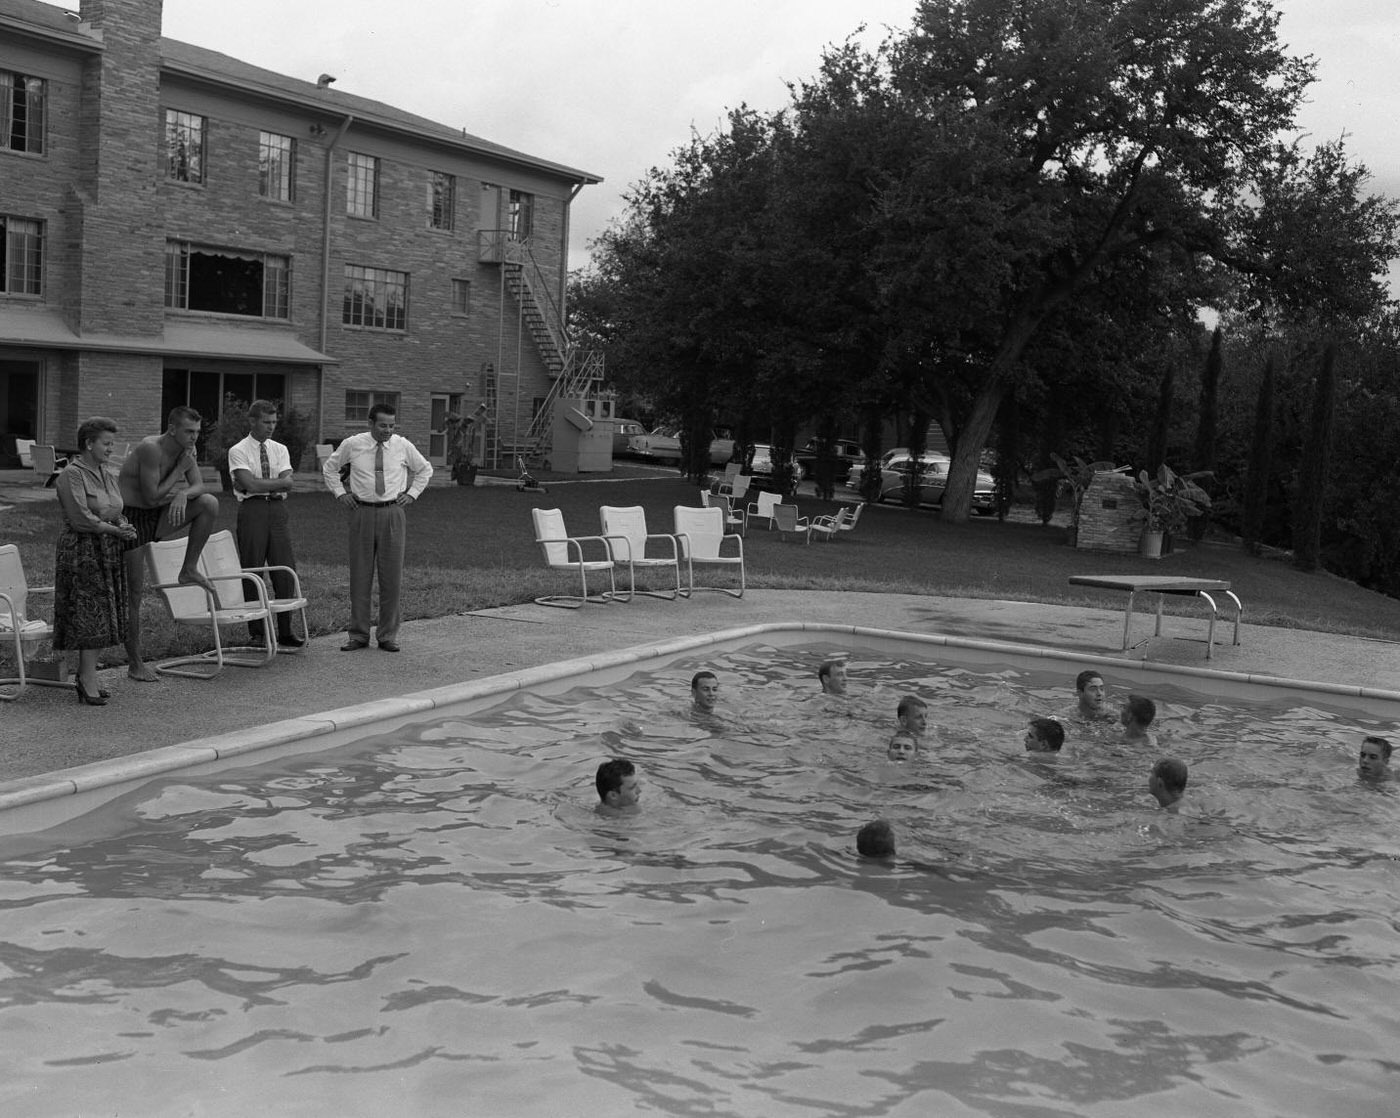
point(375, 297)
point(226, 281)
point(442, 200)
point(522, 215)
point(21, 256)
point(276, 166)
point(362, 189)
point(22, 114)
point(358, 403)
point(461, 296)
point(184, 146)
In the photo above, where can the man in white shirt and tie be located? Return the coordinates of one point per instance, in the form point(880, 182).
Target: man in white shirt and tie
point(386, 473)
point(261, 470)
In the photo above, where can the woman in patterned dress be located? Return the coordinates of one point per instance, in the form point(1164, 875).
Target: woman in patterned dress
point(90, 569)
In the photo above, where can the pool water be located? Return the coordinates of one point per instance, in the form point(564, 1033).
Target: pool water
point(437, 921)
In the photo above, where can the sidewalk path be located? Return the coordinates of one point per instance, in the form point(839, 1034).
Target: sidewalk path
point(48, 730)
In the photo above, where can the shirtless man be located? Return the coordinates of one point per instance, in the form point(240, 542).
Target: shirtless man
point(164, 494)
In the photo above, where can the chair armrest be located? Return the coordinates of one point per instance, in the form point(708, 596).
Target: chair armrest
point(675, 545)
point(626, 542)
point(269, 568)
point(577, 542)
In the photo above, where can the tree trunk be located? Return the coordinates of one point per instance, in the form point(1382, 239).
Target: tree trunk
point(1256, 489)
point(1312, 470)
point(1203, 456)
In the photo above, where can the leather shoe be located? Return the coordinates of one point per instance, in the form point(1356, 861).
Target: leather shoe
point(290, 642)
point(389, 646)
point(353, 646)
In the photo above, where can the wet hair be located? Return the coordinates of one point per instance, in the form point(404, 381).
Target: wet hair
point(698, 676)
point(93, 426)
point(827, 667)
point(1380, 741)
point(611, 774)
point(1049, 731)
point(1142, 709)
point(376, 410)
point(1172, 774)
point(181, 413)
point(908, 703)
point(875, 840)
point(1081, 681)
point(259, 408)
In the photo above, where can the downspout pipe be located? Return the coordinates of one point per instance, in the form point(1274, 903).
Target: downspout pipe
point(326, 275)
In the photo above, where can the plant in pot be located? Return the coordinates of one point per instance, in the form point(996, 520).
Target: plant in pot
point(1169, 500)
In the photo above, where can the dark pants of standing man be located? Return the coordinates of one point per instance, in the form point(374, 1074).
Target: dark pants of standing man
point(264, 539)
point(376, 548)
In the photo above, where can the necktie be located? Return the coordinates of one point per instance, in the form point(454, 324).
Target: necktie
point(262, 457)
point(379, 469)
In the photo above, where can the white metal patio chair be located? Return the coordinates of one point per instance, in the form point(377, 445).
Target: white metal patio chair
point(20, 634)
point(725, 482)
point(25, 449)
point(48, 463)
point(829, 527)
point(786, 519)
point(702, 535)
point(563, 552)
point(625, 529)
point(219, 560)
point(762, 509)
point(733, 517)
point(196, 606)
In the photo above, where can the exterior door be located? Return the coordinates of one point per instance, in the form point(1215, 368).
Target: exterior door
point(442, 403)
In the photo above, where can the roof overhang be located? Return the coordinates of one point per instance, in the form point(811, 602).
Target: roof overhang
point(44, 328)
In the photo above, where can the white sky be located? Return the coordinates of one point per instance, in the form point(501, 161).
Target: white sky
point(613, 86)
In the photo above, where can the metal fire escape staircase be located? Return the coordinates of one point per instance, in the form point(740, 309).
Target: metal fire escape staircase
point(573, 372)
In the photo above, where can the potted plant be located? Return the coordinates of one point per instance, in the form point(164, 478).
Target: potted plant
point(1169, 500)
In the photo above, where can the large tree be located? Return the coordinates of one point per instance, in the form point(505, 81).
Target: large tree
point(1060, 136)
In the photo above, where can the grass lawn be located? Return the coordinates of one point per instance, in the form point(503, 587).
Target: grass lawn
point(470, 548)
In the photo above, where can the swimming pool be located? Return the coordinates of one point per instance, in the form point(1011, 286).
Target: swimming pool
point(435, 921)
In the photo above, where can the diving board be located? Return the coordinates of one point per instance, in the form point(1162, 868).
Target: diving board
point(1161, 585)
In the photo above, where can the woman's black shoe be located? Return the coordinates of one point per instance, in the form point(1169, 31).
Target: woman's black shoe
point(84, 697)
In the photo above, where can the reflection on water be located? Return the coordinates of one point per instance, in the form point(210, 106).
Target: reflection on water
point(437, 922)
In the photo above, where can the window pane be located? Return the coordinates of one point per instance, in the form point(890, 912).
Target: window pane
point(461, 296)
point(361, 189)
point(444, 198)
point(276, 160)
point(375, 297)
point(23, 260)
point(22, 113)
point(184, 146)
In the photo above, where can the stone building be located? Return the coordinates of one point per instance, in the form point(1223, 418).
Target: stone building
point(178, 226)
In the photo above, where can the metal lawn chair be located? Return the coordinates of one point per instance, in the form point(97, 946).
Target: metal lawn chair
point(701, 534)
point(786, 519)
point(625, 530)
point(196, 606)
point(762, 509)
point(219, 560)
point(563, 552)
point(48, 463)
point(20, 634)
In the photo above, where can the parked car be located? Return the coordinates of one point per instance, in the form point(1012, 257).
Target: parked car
point(761, 468)
point(858, 467)
point(622, 432)
point(933, 480)
point(664, 445)
point(844, 454)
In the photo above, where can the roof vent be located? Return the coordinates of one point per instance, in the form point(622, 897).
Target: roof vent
point(324, 81)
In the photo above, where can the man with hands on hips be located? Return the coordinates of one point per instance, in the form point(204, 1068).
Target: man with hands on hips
point(387, 473)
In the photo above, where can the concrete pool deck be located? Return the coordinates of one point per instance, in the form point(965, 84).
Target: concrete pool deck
point(46, 730)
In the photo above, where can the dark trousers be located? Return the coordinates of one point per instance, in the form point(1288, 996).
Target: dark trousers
point(265, 539)
point(377, 540)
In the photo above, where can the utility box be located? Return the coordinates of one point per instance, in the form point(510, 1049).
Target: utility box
point(582, 444)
